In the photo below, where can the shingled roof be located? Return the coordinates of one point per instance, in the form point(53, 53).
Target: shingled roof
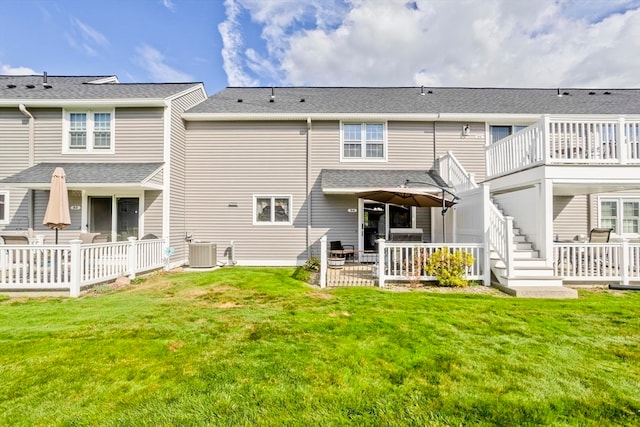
point(350, 180)
point(85, 174)
point(416, 100)
point(25, 88)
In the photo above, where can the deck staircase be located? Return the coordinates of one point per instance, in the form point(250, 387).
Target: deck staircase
point(531, 277)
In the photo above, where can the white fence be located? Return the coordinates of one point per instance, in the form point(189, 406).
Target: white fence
point(404, 262)
point(74, 266)
point(565, 141)
point(614, 261)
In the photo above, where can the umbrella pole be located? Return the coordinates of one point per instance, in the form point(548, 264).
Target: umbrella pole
point(444, 211)
point(56, 236)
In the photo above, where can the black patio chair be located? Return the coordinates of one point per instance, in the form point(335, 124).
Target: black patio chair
point(337, 249)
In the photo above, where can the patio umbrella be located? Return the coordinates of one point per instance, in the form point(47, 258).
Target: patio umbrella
point(57, 215)
point(406, 197)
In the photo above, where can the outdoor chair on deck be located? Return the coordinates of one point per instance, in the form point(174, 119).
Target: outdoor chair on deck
point(18, 260)
point(600, 235)
point(15, 240)
point(597, 258)
point(336, 248)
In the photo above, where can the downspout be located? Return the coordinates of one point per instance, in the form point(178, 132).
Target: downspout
point(308, 188)
point(434, 143)
point(31, 159)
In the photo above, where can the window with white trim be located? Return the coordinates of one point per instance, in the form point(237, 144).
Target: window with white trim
point(272, 209)
point(622, 215)
point(363, 141)
point(499, 132)
point(4, 207)
point(88, 131)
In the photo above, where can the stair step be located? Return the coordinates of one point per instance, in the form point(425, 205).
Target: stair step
point(526, 272)
point(531, 281)
point(552, 292)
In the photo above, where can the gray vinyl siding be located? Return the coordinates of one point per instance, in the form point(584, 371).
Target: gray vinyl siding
point(14, 141)
point(177, 184)
point(570, 216)
point(14, 149)
point(229, 163)
point(138, 137)
point(469, 150)
point(410, 146)
point(153, 213)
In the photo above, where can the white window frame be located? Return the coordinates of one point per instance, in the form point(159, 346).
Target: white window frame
point(363, 142)
point(513, 128)
point(273, 197)
point(4, 208)
point(618, 230)
point(90, 146)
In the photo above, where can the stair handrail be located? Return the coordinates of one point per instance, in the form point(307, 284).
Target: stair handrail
point(501, 236)
point(456, 176)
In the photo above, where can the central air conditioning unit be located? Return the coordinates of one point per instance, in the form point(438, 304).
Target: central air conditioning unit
point(202, 254)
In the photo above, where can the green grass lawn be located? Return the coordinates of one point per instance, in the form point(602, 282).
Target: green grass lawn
point(258, 347)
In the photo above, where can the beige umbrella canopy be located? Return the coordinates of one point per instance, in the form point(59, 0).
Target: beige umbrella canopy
point(406, 197)
point(57, 215)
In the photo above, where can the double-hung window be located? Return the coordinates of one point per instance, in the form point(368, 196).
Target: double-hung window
point(622, 215)
point(4, 207)
point(272, 209)
point(88, 131)
point(363, 141)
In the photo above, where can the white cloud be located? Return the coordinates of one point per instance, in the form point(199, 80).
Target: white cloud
point(90, 34)
point(233, 62)
point(168, 4)
point(154, 62)
point(84, 38)
point(544, 43)
point(8, 70)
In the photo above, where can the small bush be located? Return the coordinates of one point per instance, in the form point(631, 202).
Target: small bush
point(449, 268)
point(312, 264)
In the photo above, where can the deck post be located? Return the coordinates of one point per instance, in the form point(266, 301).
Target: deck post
point(509, 245)
point(323, 261)
point(624, 267)
point(75, 263)
point(546, 139)
point(132, 257)
point(623, 143)
point(381, 262)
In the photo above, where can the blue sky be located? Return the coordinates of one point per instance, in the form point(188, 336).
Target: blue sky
point(497, 43)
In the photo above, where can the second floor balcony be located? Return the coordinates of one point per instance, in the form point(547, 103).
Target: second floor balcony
point(560, 141)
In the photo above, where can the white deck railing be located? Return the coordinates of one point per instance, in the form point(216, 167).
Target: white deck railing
point(501, 237)
point(454, 174)
point(73, 266)
point(405, 261)
point(566, 141)
point(614, 261)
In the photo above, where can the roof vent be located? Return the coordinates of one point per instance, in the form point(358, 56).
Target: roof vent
point(422, 90)
point(592, 93)
point(239, 99)
point(607, 93)
point(11, 86)
point(30, 86)
point(429, 91)
point(302, 100)
point(565, 93)
point(272, 98)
